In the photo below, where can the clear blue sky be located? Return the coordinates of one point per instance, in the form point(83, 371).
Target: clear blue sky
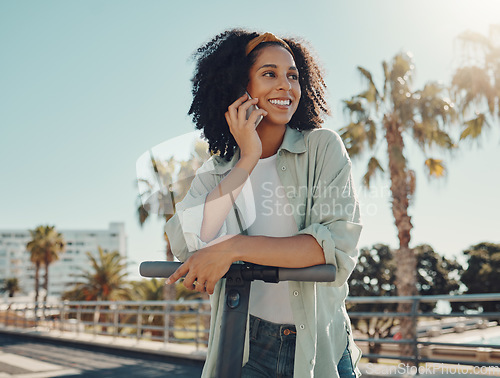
point(86, 87)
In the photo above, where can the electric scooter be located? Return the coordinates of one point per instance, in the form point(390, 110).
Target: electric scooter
point(234, 316)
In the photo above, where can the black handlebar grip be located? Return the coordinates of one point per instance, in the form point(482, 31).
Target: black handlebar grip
point(158, 268)
point(317, 273)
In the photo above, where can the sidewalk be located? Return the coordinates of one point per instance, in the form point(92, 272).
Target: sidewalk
point(144, 346)
point(369, 370)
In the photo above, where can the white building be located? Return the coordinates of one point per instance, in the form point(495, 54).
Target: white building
point(15, 259)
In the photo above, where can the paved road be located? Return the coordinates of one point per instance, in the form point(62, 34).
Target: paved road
point(26, 357)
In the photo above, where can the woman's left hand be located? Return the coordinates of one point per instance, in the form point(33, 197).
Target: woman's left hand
point(206, 266)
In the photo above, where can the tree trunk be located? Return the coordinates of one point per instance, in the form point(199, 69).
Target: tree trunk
point(46, 282)
point(37, 281)
point(37, 289)
point(401, 190)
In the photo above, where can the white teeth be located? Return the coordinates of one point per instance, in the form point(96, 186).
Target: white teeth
point(280, 102)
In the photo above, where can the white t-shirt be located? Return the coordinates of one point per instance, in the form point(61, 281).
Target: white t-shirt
point(270, 301)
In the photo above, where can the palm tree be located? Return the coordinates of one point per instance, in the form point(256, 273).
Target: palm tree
point(54, 246)
point(45, 247)
point(11, 286)
point(476, 83)
point(106, 281)
point(36, 257)
point(148, 289)
point(390, 116)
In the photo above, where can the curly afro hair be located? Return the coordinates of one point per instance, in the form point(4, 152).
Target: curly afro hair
point(221, 76)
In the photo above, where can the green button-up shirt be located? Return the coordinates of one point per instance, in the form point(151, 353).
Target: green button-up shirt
point(315, 172)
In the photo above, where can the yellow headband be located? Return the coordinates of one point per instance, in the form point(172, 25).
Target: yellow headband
point(266, 37)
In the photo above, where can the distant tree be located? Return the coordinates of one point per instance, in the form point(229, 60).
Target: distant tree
point(476, 82)
point(105, 281)
point(45, 247)
point(375, 275)
point(34, 247)
point(390, 115)
point(481, 275)
point(54, 246)
point(150, 290)
point(436, 274)
point(11, 286)
point(147, 289)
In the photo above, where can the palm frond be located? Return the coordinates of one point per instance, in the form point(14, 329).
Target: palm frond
point(354, 136)
point(106, 280)
point(46, 244)
point(148, 289)
point(473, 39)
point(474, 127)
point(429, 133)
point(353, 106)
point(431, 91)
point(402, 69)
point(373, 167)
point(434, 111)
point(442, 139)
point(371, 94)
point(399, 86)
point(470, 86)
point(435, 167)
point(387, 76)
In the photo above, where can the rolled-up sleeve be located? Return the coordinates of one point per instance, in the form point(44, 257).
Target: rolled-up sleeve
point(333, 218)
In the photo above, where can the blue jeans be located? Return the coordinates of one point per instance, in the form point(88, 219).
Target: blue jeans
point(272, 351)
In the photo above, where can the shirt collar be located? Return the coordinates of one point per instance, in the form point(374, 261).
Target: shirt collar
point(293, 142)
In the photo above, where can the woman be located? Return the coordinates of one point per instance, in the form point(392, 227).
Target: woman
point(277, 194)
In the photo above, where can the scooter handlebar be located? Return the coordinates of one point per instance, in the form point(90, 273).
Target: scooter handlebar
point(317, 273)
point(161, 269)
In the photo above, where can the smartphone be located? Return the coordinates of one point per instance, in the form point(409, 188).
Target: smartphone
point(251, 109)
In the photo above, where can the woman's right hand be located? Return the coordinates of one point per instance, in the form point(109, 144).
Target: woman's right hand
point(243, 130)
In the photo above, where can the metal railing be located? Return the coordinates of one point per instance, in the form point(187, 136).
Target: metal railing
point(188, 322)
point(165, 321)
point(426, 350)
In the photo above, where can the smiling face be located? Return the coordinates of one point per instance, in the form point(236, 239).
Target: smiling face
point(274, 80)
